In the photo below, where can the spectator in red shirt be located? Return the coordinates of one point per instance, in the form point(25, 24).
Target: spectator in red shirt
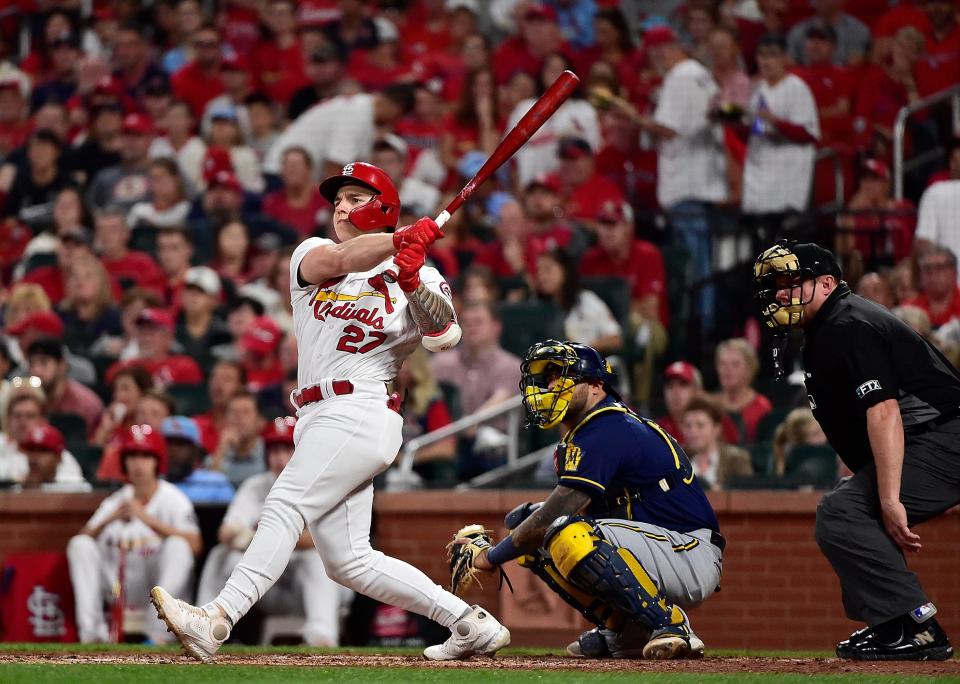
point(583, 189)
point(939, 68)
point(475, 123)
point(939, 295)
point(259, 353)
point(879, 225)
point(14, 120)
point(619, 253)
point(199, 81)
point(737, 366)
point(232, 252)
point(129, 267)
point(129, 386)
point(279, 59)
point(354, 30)
point(378, 67)
point(427, 28)
point(906, 13)
point(174, 254)
point(614, 45)
point(539, 35)
point(64, 395)
point(74, 245)
point(227, 379)
point(543, 206)
point(324, 72)
point(829, 83)
point(681, 383)
point(773, 19)
point(154, 338)
point(298, 203)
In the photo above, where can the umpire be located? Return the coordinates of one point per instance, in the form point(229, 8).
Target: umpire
point(889, 403)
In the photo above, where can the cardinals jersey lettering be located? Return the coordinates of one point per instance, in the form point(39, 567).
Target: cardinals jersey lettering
point(354, 326)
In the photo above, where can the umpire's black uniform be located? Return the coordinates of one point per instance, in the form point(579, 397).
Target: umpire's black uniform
point(857, 354)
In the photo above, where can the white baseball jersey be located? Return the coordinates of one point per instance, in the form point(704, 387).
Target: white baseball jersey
point(247, 504)
point(168, 505)
point(354, 326)
point(778, 173)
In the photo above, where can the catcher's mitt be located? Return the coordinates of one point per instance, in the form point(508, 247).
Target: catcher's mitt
point(462, 556)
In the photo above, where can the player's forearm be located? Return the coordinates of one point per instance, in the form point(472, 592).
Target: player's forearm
point(528, 537)
point(431, 312)
point(359, 254)
point(885, 432)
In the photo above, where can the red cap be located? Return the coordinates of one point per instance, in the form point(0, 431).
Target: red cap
point(225, 179)
point(43, 437)
point(613, 211)
point(137, 124)
point(144, 439)
point(263, 337)
point(158, 317)
point(279, 431)
point(681, 370)
point(216, 159)
point(550, 181)
point(658, 35)
point(538, 10)
point(45, 322)
point(877, 168)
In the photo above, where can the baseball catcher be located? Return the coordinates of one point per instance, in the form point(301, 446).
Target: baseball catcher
point(627, 537)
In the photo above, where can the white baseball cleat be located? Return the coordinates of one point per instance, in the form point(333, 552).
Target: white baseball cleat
point(476, 633)
point(200, 633)
point(674, 642)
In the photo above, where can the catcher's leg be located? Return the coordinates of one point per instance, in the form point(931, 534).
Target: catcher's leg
point(588, 561)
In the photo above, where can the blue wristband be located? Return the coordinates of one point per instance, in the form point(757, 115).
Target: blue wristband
point(504, 551)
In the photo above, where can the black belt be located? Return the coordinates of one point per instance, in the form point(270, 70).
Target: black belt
point(931, 425)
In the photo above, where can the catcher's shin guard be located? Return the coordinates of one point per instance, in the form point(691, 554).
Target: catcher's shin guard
point(595, 609)
point(591, 563)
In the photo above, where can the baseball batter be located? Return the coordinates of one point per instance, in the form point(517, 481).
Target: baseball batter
point(304, 585)
point(354, 327)
point(151, 523)
point(627, 537)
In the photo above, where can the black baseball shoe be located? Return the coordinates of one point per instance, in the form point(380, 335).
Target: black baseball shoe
point(924, 641)
point(845, 647)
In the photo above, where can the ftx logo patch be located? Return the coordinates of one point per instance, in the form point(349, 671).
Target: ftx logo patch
point(867, 387)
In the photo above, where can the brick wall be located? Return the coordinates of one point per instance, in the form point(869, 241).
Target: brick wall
point(778, 591)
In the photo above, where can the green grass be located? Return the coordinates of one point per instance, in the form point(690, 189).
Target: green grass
point(147, 673)
point(140, 674)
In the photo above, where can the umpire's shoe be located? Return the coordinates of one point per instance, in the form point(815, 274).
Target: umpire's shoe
point(904, 641)
point(477, 632)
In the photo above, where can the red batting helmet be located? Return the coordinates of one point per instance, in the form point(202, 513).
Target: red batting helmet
point(279, 431)
point(43, 437)
point(383, 211)
point(143, 439)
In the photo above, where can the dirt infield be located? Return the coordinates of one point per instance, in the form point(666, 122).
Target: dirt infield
point(707, 665)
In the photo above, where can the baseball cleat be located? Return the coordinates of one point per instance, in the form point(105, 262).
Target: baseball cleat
point(674, 642)
point(476, 633)
point(200, 633)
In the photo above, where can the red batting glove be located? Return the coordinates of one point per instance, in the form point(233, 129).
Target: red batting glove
point(424, 232)
point(410, 259)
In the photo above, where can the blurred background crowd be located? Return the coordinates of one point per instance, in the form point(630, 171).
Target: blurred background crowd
point(159, 162)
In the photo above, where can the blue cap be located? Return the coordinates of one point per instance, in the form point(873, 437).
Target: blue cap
point(470, 163)
point(181, 427)
point(225, 111)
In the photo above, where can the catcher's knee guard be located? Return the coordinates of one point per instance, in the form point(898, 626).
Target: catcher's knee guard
point(592, 564)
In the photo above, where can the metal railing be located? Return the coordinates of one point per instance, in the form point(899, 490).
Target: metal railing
point(512, 408)
point(900, 166)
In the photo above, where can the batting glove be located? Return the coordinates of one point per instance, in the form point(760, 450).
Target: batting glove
point(410, 259)
point(424, 232)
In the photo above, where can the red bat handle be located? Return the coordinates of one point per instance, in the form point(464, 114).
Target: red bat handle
point(541, 110)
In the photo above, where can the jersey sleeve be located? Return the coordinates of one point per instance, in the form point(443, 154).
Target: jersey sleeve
point(180, 512)
point(589, 462)
point(869, 365)
point(301, 251)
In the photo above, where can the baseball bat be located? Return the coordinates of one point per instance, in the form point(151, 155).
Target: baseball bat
point(531, 122)
point(119, 597)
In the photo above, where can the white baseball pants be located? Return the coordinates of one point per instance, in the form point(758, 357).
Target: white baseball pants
point(303, 589)
point(93, 571)
point(342, 443)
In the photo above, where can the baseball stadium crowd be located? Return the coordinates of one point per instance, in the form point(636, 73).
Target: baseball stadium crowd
point(159, 163)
